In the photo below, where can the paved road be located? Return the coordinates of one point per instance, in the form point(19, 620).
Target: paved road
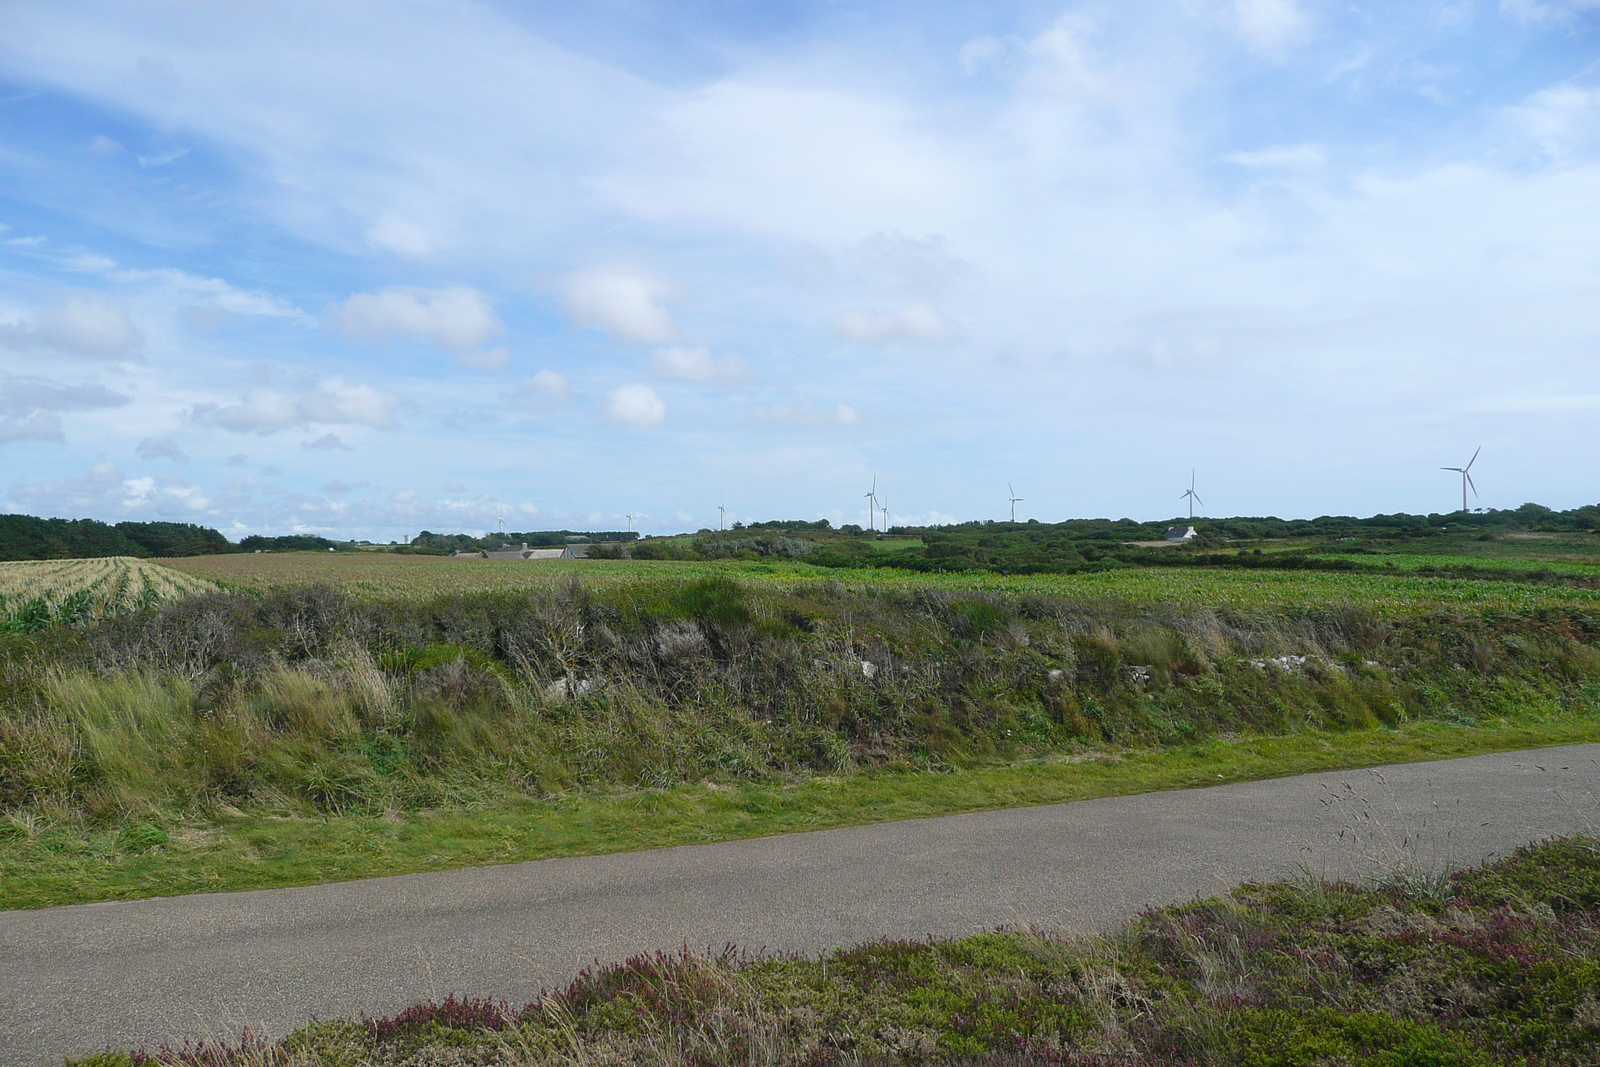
point(74, 980)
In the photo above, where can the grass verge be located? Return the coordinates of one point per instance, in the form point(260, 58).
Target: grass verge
point(40, 866)
point(1487, 967)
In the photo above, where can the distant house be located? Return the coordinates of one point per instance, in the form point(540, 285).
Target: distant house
point(1180, 533)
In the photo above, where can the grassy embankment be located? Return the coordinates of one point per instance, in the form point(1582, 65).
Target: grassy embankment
point(283, 735)
point(1494, 966)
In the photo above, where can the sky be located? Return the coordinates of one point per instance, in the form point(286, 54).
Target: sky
point(368, 268)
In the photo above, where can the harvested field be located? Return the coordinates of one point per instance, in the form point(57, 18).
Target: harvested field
point(35, 594)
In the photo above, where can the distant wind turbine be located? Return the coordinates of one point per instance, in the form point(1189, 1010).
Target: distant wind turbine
point(871, 497)
point(1466, 477)
point(630, 522)
point(1015, 500)
point(885, 508)
point(1192, 496)
point(721, 512)
point(502, 521)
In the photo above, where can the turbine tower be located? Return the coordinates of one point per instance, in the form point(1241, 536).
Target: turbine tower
point(885, 509)
point(871, 497)
point(630, 522)
point(1015, 500)
point(721, 511)
point(1466, 478)
point(1192, 496)
point(502, 521)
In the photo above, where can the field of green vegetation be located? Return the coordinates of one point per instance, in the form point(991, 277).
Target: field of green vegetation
point(36, 595)
point(337, 715)
point(1493, 967)
point(419, 576)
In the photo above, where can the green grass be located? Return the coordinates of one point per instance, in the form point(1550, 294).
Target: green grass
point(41, 866)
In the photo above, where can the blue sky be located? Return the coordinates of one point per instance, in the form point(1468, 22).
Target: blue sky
point(369, 268)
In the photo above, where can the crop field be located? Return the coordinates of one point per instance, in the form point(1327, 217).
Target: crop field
point(1401, 593)
point(39, 593)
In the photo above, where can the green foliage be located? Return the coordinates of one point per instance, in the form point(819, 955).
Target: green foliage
point(27, 537)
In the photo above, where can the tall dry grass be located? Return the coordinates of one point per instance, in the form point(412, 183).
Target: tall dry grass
point(312, 700)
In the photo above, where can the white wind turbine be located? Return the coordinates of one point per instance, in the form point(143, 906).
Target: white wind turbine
point(721, 512)
point(871, 497)
point(630, 522)
point(885, 509)
point(1466, 477)
point(1015, 500)
point(1192, 496)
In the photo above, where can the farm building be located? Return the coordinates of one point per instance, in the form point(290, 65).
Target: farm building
point(1180, 533)
point(524, 552)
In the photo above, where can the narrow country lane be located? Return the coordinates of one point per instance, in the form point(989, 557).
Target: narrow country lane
point(77, 979)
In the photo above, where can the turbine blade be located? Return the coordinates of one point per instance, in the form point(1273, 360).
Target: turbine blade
point(1473, 460)
point(1197, 500)
point(1468, 477)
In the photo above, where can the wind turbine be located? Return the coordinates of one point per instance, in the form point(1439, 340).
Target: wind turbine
point(1015, 500)
point(885, 516)
point(502, 521)
point(721, 511)
point(630, 522)
point(1192, 496)
point(871, 498)
point(1466, 478)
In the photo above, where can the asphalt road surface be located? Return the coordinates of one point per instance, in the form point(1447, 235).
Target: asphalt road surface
point(76, 980)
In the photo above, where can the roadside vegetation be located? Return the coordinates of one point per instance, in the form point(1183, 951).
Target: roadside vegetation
point(294, 733)
point(1494, 966)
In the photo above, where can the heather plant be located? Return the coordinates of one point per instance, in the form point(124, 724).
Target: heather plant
point(313, 700)
point(1500, 968)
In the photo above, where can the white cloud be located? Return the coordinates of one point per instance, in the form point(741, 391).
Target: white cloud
point(697, 365)
point(213, 292)
point(625, 302)
point(456, 319)
point(844, 415)
point(1562, 120)
point(86, 323)
point(102, 490)
point(104, 145)
point(401, 235)
point(546, 389)
point(634, 405)
point(487, 359)
point(160, 448)
point(30, 407)
point(978, 53)
point(331, 402)
point(1271, 25)
point(1297, 157)
point(917, 322)
point(328, 442)
point(1536, 11)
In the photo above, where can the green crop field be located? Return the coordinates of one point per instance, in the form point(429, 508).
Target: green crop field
point(386, 575)
point(39, 593)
